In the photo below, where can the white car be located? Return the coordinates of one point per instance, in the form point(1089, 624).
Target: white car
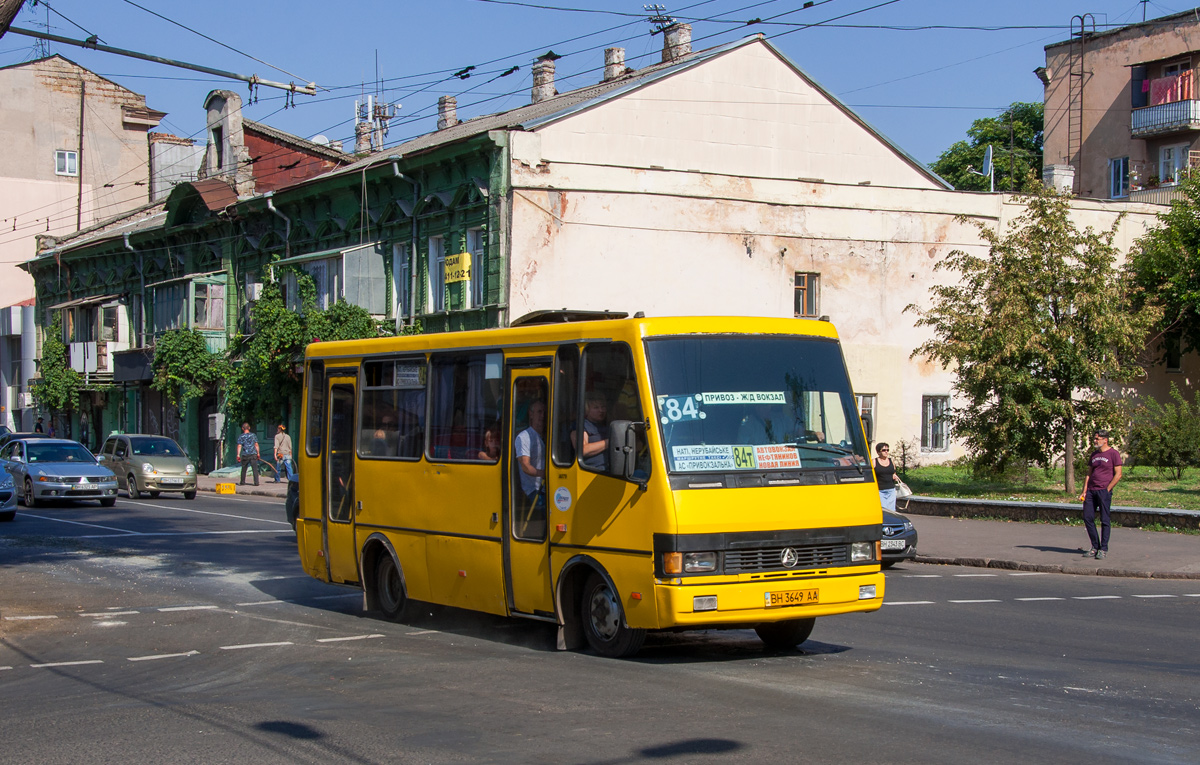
point(57, 468)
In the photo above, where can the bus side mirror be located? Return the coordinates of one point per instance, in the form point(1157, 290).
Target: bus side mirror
point(623, 449)
point(869, 427)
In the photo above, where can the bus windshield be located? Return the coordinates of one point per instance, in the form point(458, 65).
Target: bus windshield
point(760, 402)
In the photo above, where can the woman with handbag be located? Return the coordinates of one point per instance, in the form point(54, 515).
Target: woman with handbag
point(885, 476)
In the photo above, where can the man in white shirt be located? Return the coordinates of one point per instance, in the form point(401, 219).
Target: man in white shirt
point(530, 449)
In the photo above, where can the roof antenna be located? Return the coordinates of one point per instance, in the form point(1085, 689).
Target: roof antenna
point(658, 18)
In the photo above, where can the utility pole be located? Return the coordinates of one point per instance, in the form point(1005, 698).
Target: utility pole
point(1012, 155)
point(79, 155)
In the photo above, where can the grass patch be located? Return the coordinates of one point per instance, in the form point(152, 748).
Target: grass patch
point(1139, 486)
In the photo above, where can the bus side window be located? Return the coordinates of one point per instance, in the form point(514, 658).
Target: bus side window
point(392, 417)
point(316, 408)
point(566, 403)
point(465, 404)
point(610, 393)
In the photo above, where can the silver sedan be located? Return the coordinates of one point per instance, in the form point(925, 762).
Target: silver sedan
point(57, 468)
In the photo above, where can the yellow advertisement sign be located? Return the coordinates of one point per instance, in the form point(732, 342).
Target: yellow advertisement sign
point(458, 268)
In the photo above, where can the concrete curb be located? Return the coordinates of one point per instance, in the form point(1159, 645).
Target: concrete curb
point(1132, 517)
point(1053, 568)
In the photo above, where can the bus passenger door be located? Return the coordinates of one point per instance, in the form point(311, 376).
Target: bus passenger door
point(526, 545)
point(341, 552)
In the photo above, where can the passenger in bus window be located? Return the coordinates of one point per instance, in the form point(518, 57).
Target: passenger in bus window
point(491, 444)
point(530, 449)
point(594, 453)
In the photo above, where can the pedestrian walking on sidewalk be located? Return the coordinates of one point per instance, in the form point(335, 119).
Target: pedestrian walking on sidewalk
point(1097, 493)
point(885, 476)
point(283, 453)
point(247, 452)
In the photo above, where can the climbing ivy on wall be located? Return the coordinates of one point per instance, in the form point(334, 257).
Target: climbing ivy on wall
point(184, 367)
point(58, 388)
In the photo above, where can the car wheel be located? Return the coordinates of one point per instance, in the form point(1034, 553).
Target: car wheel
point(6, 517)
point(108, 501)
point(604, 624)
point(30, 500)
point(781, 636)
point(887, 564)
point(389, 588)
point(134, 493)
point(189, 495)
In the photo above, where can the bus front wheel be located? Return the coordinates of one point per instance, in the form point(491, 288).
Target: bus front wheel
point(603, 622)
point(781, 636)
point(389, 588)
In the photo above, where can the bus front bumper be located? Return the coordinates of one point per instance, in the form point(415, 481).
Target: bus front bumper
point(727, 604)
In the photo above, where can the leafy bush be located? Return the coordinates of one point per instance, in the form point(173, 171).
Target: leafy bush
point(1166, 436)
point(184, 367)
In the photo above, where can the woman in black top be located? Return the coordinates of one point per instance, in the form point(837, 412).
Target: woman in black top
point(885, 477)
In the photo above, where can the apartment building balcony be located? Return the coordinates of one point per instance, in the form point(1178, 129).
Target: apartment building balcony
point(1165, 119)
point(1161, 195)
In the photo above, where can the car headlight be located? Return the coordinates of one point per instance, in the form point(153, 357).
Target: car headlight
point(147, 468)
point(908, 526)
point(862, 551)
point(49, 478)
point(6, 481)
point(190, 469)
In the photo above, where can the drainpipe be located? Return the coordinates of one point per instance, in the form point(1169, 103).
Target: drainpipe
point(287, 223)
point(412, 250)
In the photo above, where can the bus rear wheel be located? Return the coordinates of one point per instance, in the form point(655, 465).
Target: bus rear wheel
point(604, 624)
point(389, 588)
point(781, 636)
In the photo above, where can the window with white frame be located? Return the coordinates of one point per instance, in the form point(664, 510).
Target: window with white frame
point(1171, 162)
point(866, 411)
point(364, 279)
point(1176, 67)
point(1118, 177)
point(208, 306)
point(170, 307)
point(436, 278)
point(402, 280)
point(66, 162)
point(326, 275)
point(475, 246)
point(934, 433)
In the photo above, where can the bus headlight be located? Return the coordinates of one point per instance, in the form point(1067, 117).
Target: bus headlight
point(862, 551)
point(700, 562)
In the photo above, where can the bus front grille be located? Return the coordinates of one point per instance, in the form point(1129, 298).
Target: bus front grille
point(772, 558)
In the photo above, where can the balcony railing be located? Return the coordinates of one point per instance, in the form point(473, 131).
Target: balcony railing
point(1157, 196)
point(1174, 117)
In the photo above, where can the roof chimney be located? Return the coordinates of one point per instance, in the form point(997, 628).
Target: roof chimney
point(677, 42)
point(614, 63)
point(362, 137)
point(543, 78)
point(447, 112)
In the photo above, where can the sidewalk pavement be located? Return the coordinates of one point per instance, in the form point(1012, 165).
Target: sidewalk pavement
point(1010, 545)
point(1054, 548)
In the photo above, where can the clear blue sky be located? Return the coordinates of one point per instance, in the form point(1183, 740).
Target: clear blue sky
point(922, 88)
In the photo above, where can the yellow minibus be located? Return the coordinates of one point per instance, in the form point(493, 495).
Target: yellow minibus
point(610, 475)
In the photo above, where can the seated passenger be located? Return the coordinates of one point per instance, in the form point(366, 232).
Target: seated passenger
point(491, 444)
point(594, 452)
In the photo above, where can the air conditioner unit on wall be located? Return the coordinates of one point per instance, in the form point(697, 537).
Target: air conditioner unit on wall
point(25, 401)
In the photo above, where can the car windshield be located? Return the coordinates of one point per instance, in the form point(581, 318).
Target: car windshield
point(58, 453)
point(762, 402)
point(155, 447)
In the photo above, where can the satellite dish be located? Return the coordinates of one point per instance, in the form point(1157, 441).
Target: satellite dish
point(987, 161)
point(325, 142)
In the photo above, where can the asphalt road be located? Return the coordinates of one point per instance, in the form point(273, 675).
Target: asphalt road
point(173, 631)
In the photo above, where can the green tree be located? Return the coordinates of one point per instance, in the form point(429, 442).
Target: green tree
point(1033, 329)
point(1165, 263)
point(184, 367)
point(1016, 140)
point(1167, 435)
point(57, 390)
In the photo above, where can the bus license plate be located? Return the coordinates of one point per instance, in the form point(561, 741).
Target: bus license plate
point(791, 598)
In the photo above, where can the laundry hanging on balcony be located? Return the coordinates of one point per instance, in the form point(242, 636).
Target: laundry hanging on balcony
point(1166, 90)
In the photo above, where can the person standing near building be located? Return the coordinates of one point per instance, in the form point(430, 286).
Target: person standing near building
point(885, 476)
point(1097, 493)
point(247, 452)
point(38, 428)
point(283, 452)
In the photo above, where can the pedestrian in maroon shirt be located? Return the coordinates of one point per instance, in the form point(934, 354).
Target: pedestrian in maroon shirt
point(1097, 493)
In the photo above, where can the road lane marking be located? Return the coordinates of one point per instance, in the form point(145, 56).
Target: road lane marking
point(156, 656)
point(1028, 573)
point(28, 618)
point(352, 637)
point(1096, 597)
point(1191, 594)
point(886, 603)
point(210, 512)
point(80, 523)
point(421, 632)
point(106, 614)
point(922, 576)
point(147, 535)
point(68, 663)
point(976, 601)
point(1154, 596)
point(4, 668)
point(965, 575)
point(259, 603)
point(255, 645)
point(187, 608)
point(1033, 599)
